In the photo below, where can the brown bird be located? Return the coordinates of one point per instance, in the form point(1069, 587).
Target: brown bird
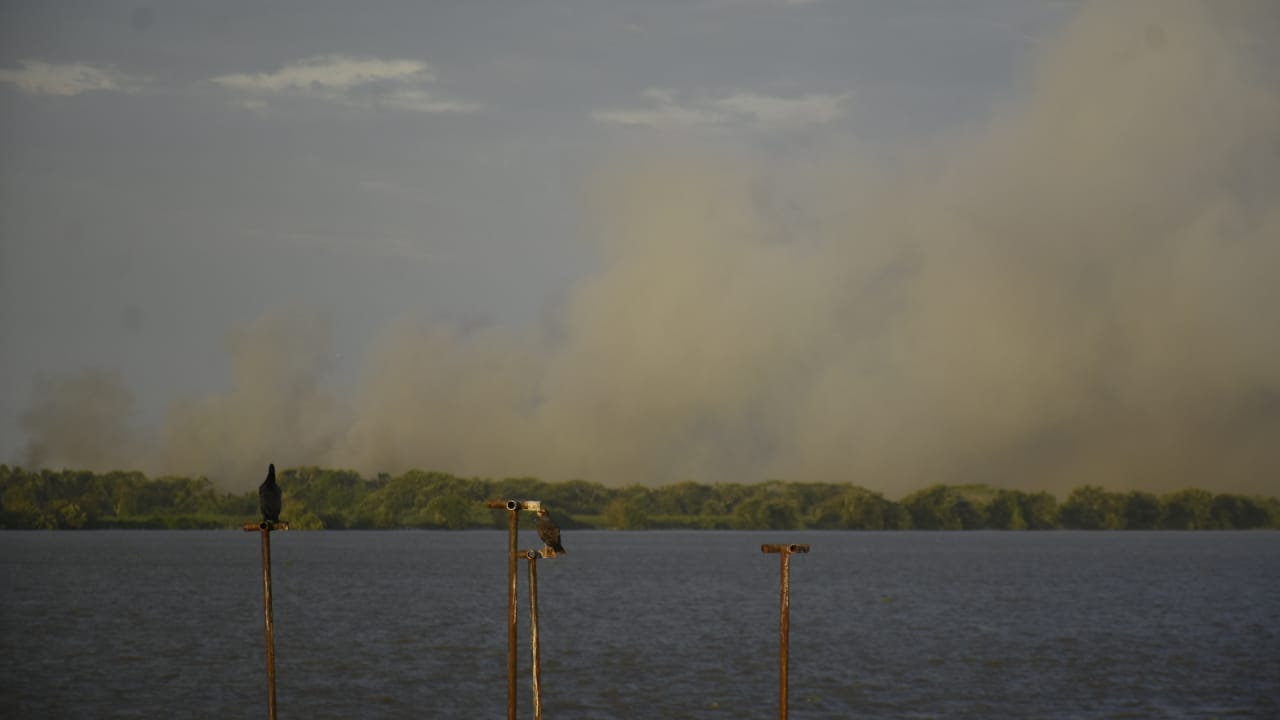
point(548, 531)
point(269, 497)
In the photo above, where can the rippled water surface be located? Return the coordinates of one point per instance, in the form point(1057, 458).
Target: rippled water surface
point(644, 625)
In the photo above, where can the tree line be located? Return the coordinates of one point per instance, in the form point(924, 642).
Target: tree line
point(318, 498)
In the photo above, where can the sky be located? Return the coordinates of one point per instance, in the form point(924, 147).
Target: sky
point(1029, 243)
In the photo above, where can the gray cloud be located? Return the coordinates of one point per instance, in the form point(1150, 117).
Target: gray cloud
point(348, 80)
point(36, 77)
point(735, 110)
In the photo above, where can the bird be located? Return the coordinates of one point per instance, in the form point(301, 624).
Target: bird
point(548, 531)
point(269, 497)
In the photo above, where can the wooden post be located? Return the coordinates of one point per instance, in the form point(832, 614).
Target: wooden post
point(265, 530)
point(513, 508)
point(533, 634)
point(512, 640)
point(784, 623)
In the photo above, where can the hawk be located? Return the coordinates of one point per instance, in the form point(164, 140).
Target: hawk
point(548, 531)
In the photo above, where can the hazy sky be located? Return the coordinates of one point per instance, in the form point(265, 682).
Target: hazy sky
point(1033, 243)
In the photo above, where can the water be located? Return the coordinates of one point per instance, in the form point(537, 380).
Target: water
point(644, 625)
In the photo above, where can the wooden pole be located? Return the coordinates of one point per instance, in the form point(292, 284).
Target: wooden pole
point(266, 611)
point(265, 530)
point(533, 634)
point(784, 622)
point(512, 640)
point(784, 637)
point(513, 508)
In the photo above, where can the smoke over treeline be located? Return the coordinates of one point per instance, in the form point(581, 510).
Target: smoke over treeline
point(1083, 290)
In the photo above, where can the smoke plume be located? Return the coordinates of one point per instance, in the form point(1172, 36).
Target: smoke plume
point(1083, 291)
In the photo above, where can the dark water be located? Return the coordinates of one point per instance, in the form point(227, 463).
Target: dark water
point(645, 625)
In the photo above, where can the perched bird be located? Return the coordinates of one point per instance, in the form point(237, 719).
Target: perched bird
point(548, 531)
point(269, 497)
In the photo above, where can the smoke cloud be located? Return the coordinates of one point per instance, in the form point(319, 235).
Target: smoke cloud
point(1083, 291)
point(79, 420)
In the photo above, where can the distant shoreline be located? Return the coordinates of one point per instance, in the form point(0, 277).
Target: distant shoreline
point(228, 528)
point(319, 498)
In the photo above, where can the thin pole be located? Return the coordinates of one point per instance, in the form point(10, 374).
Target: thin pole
point(784, 635)
point(533, 635)
point(266, 608)
point(513, 555)
point(512, 642)
point(784, 624)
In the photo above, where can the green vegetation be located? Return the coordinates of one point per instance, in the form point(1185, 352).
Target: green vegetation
point(317, 498)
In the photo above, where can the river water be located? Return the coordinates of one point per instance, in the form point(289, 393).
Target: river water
point(646, 625)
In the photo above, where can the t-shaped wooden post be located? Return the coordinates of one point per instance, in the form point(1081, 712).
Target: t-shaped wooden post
point(513, 507)
point(266, 528)
point(784, 631)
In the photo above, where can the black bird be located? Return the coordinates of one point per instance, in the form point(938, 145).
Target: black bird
point(548, 531)
point(269, 497)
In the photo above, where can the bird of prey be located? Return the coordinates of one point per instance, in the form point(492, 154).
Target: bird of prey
point(548, 531)
point(269, 497)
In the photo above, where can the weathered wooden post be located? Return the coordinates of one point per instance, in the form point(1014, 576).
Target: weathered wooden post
point(533, 634)
point(513, 507)
point(265, 529)
point(784, 626)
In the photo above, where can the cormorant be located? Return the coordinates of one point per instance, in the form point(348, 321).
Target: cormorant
point(548, 531)
point(269, 497)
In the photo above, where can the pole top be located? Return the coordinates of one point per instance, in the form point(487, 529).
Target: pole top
point(267, 527)
point(544, 553)
point(515, 505)
point(785, 549)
